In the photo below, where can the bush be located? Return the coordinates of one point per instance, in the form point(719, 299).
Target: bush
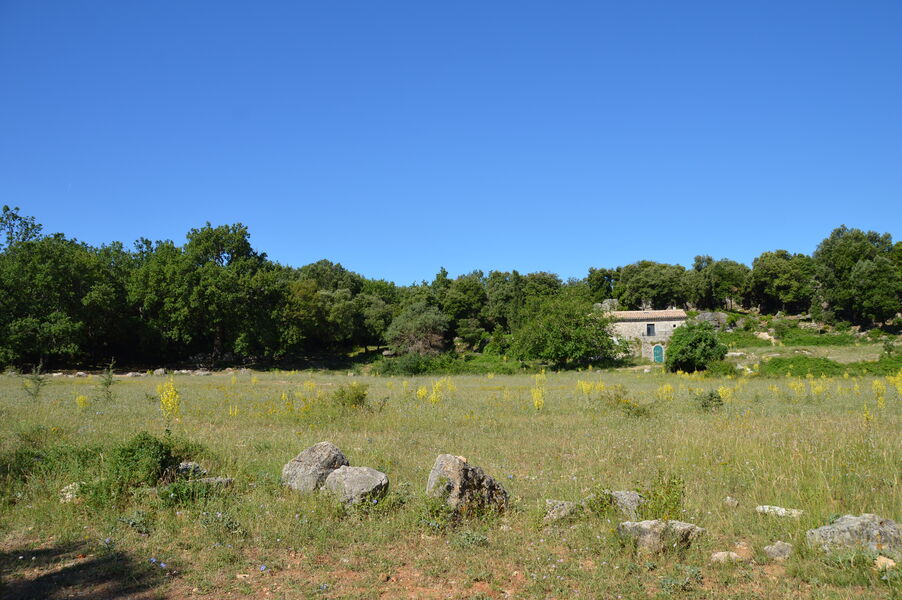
point(351, 395)
point(720, 368)
point(143, 460)
point(742, 339)
point(663, 498)
point(692, 347)
point(709, 401)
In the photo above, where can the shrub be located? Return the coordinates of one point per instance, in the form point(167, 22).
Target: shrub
point(351, 395)
point(720, 368)
point(742, 339)
point(663, 498)
point(143, 460)
point(692, 347)
point(709, 401)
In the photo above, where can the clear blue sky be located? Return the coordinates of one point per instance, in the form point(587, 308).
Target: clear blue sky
point(399, 137)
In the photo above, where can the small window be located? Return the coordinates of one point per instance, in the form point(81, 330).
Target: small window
point(650, 329)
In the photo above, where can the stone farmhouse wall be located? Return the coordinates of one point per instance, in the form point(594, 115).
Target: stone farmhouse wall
point(633, 325)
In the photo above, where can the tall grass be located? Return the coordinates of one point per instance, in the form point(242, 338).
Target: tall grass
point(826, 445)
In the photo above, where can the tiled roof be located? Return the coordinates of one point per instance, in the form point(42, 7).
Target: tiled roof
point(648, 315)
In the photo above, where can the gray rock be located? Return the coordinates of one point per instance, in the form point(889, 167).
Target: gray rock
point(354, 484)
point(723, 558)
point(717, 319)
point(558, 510)
point(464, 487)
point(159, 371)
point(731, 502)
point(216, 481)
point(307, 471)
point(628, 502)
point(778, 550)
point(656, 535)
point(81, 374)
point(868, 532)
point(190, 469)
point(779, 511)
point(202, 373)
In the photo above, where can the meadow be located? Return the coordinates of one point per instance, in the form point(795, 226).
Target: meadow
point(828, 446)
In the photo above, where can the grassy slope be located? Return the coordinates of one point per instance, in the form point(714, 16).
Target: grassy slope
point(767, 445)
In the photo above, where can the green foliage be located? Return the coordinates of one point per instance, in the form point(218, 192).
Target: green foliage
point(418, 329)
point(742, 339)
point(857, 277)
point(142, 461)
point(564, 330)
point(708, 401)
point(720, 368)
point(105, 382)
point(781, 281)
point(184, 492)
point(350, 395)
point(799, 366)
point(448, 364)
point(655, 284)
point(664, 498)
point(692, 347)
point(34, 382)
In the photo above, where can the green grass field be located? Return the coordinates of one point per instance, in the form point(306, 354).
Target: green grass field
point(827, 446)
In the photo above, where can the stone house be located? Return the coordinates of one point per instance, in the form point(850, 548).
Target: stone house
point(647, 330)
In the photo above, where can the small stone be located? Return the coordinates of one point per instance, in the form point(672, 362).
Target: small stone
point(81, 374)
point(725, 558)
point(190, 469)
point(216, 481)
point(558, 510)
point(779, 511)
point(778, 550)
point(159, 371)
point(882, 563)
point(69, 493)
point(731, 502)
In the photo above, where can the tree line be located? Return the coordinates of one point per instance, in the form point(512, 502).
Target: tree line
point(215, 298)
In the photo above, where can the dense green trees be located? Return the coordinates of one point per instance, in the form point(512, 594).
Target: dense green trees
point(216, 299)
point(781, 281)
point(565, 331)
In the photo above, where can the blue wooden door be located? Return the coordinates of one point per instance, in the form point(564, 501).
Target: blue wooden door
point(658, 352)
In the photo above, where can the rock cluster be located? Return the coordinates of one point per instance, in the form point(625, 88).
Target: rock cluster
point(625, 501)
point(323, 466)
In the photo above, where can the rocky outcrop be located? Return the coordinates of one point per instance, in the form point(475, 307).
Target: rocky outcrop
point(865, 532)
point(307, 471)
point(656, 535)
point(465, 488)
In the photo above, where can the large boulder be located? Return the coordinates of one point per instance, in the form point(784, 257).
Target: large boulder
point(865, 532)
point(464, 487)
point(717, 319)
point(656, 535)
point(307, 471)
point(352, 485)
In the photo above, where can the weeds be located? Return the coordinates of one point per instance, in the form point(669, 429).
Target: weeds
point(663, 499)
point(105, 383)
point(34, 382)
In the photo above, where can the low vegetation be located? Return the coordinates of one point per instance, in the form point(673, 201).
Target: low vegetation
point(92, 492)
